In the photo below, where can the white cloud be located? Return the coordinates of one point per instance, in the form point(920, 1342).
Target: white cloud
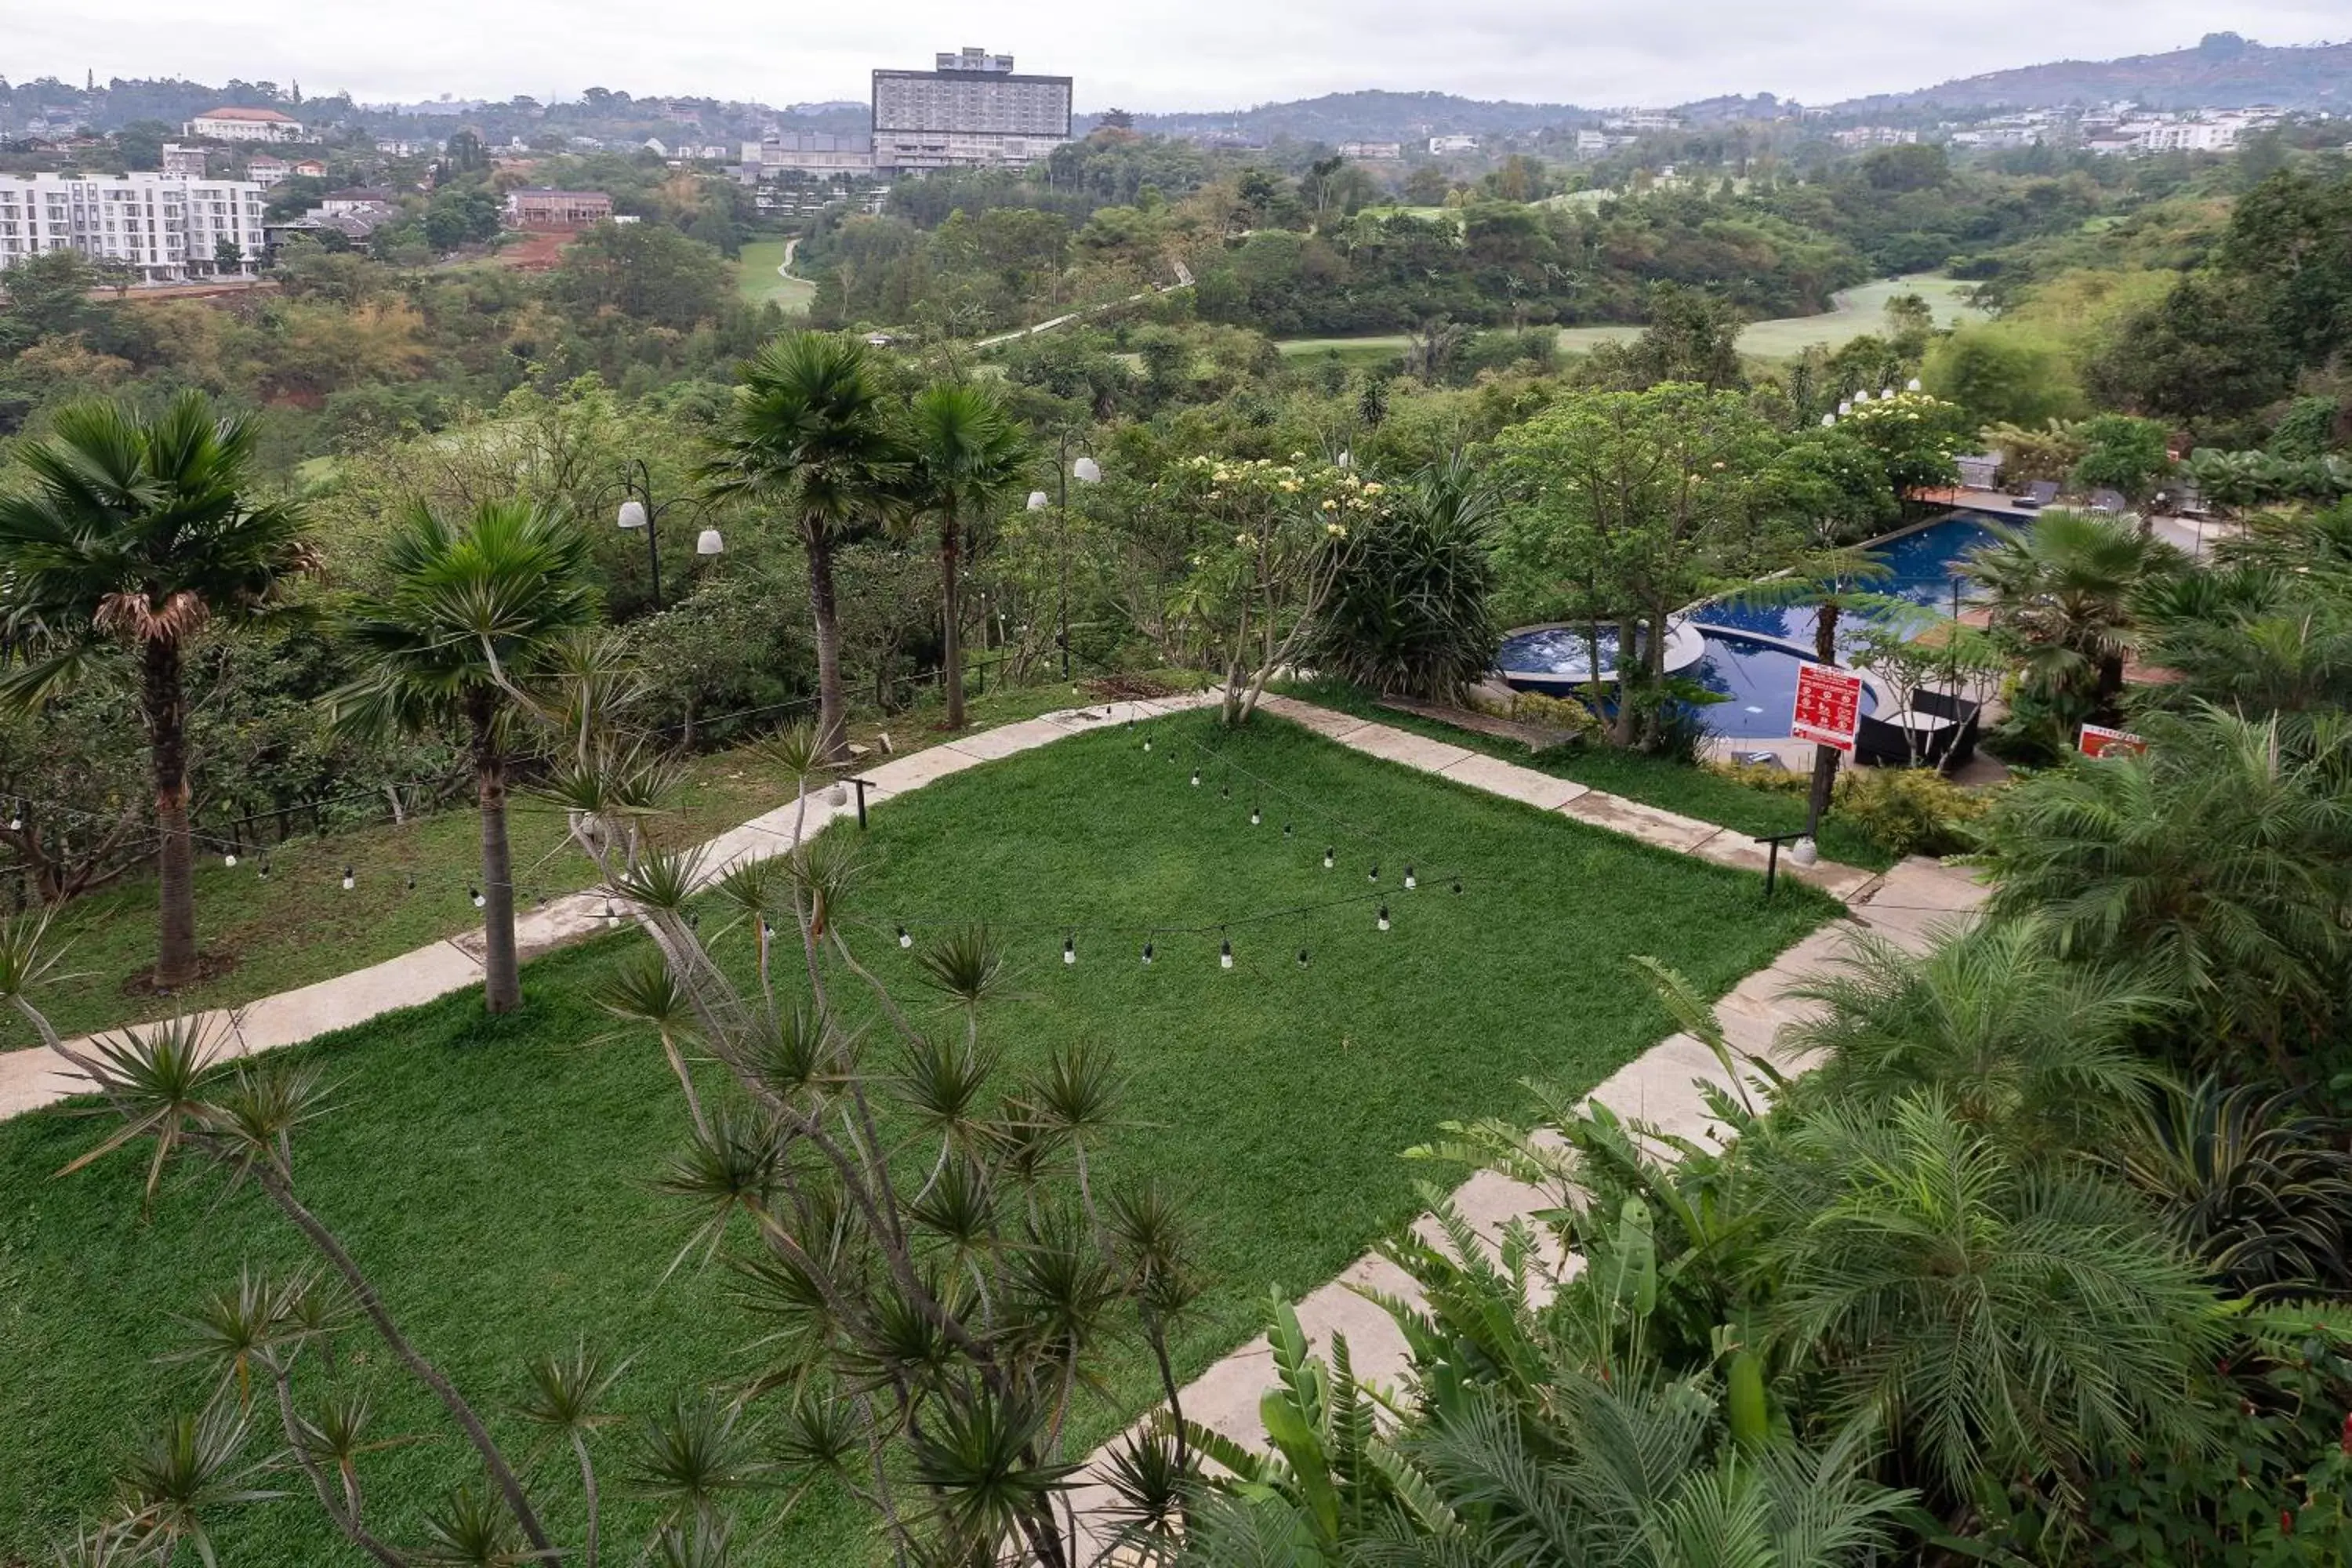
point(1205, 54)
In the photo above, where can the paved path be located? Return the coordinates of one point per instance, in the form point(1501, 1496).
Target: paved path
point(1908, 904)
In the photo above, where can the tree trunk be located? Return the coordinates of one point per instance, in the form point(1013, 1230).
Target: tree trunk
point(1825, 758)
point(176, 948)
point(502, 984)
point(951, 628)
point(831, 721)
point(1621, 729)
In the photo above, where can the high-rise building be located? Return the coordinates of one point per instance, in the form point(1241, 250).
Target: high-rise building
point(973, 111)
point(166, 228)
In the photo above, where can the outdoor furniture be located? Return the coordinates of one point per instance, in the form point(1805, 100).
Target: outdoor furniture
point(2109, 501)
point(1946, 726)
point(2038, 494)
point(1978, 470)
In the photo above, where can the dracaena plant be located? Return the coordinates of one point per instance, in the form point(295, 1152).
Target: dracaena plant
point(920, 1231)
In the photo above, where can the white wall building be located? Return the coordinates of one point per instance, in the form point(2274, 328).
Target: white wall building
point(1442, 145)
point(246, 125)
point(973, 111)
point(166, 228)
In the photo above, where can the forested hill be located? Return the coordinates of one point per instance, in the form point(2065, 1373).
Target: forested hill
point(1368, 116)
point(2223, 71)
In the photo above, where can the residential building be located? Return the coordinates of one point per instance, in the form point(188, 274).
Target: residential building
point(557, 212)
point(973, 111)
point(236, 124)
point(1440, 146)
point(1372, 152)
point(1861, 136)
point(164, 227)
point(185, 161)
point(354, 198)
point(265, 171)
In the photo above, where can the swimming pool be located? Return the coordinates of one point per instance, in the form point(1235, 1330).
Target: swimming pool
point(1757, 681)
point(1923, 564)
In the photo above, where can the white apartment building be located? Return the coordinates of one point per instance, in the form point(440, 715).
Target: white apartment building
point(166, 228)
point(1442, 145)
point(972, 111)
point(236, 124)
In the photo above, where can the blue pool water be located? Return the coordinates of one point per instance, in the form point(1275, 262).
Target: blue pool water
point(1759, 682)
point(1923, 564)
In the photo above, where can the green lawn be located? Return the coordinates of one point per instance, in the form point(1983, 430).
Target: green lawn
point(495, 1176)
point(1692, 791)
point(1857, 310)
point(758, 279)
point(300, 926)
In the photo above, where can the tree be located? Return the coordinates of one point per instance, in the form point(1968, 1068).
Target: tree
point(810, 432)
point(475, 616)
point(970, 458)
point(2129, 455)
point(141, 533)
point(648, 271)
point(227, 255)
point(1630, 504)
point(2061, 590)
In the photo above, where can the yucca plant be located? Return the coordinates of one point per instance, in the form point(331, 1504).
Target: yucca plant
point(1408, 609)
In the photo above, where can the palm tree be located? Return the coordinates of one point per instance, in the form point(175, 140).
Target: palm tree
point(141, 532)
point(477, 614)
point(2064, 588)
point(811, 430)
point(969, 458)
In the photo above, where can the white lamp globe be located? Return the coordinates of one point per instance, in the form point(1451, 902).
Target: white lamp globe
point(633, 513)
point(1911, 385)
point(1828, 420)
point(1805, 852)
point(709, 543)
point(1038, 500)
point(1086, 471)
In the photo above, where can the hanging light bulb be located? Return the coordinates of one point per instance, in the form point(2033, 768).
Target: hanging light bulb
point(1374, 875)
point(1147, 955)
point(1381, 921)
point(1256, 816)
point(767, 932)
point(1069, 950)
point(904, 940)
point(1196, 778)
point(229, 859)
point(1327, 857)
point(1302, 958)
point(1147, 742)
point(347, 879)
point(1912, 385)
point(1410, 881)
point(1225, 955)
point(1286, 830)
point(1457, 886)
point(1224, 792)
point(16, 815)
point(264, 872)
point(412, 881)
point(476, 894)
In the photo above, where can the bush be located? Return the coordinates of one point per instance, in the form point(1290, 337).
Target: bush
point(1908, 811)
point(1408, 612)
point(1566, 713)
point(1764, 776)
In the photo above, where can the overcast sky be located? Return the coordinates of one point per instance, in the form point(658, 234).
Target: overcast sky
point(1198, 54)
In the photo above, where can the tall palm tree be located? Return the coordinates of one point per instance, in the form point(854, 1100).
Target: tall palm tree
point(477, 614)
point(969, 458)
point(811, 430)
point(140, 532)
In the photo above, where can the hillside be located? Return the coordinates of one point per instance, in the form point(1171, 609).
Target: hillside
point(1373, 116)
point(2223, 71)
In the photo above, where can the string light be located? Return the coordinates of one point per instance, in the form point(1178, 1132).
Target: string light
point(264, 872)
point(1256, 816)
point(1374, 875)
point(348, 881)
point(229, 859)
point(1302, 958)
point(1286, 830)
point(1069, 950)
point(1147, 742)
point(412, 881)
point(904, 940)
point(1196, 778)
point(1225, 953)
point(1224, 792)
point(1410, 881)
point(1381, 923)
point(1457, 886)
point(1329, 858)
point(15, 816)
point(1147, 955)
point(476, 894)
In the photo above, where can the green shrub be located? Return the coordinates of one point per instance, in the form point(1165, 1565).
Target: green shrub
point(1408, 612)
point(1908, 811)
point(1765, 777)
point(1554, 713)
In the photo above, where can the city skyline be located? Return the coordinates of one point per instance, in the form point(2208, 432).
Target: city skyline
point(1228, 58)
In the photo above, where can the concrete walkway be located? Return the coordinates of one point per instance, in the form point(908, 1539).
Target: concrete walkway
point(1908, 904)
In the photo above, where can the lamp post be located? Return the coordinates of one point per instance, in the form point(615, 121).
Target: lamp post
point(639, 510)
point(1086, 471)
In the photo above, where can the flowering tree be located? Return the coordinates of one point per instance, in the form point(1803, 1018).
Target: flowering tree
point(1271, 539)
point(1917, 436)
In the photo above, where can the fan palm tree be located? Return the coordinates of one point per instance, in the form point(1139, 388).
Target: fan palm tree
point(969, 458)
point(477, 614)
point(141, 532)
point(811, 431)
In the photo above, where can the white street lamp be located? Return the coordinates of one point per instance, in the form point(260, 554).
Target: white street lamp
point(1828, 420)
point(1086, 471)
point(1911, 385)
point(633, 513)
point(1039, 500)
point(1844, 409)
point(709, 543)
point(1804, 852)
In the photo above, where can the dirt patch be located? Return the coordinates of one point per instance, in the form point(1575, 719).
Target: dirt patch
point(534, 252)
point(211, 965)
point(1127, 689)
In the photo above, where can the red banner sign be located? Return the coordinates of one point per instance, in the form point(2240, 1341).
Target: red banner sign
point(1829, 706)
point(2097, 740)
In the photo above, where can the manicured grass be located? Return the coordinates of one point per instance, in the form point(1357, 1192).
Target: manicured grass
point(1690, 790)
point(1857, 310)
point(495, 1176)
point(300, 926)
point(759, 281)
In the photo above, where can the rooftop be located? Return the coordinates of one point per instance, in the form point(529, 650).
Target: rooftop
point(234, 112)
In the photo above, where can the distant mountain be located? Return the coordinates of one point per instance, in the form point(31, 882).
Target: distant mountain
point(1371, 116)
point(2222, 72)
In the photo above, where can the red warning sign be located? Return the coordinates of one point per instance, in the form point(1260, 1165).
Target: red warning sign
point(1829, 706)
point(2097, 740)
